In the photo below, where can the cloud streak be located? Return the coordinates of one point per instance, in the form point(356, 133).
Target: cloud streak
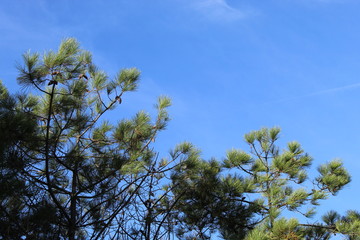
point(325, 1)
point(318, 93)
point(218, 10)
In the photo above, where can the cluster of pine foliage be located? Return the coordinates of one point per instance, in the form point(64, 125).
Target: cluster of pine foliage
point(68, 173)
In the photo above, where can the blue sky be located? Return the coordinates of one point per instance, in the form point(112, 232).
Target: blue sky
point(229, 66)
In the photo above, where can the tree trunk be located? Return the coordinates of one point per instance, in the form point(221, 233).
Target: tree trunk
point(72, 223)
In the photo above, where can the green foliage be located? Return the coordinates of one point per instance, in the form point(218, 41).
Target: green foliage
point(3, 91)
point(272, 179)
point(349, 224)
point(127, 79)
point(236, 158)
point(22, 206)
point(333, 176)
point(67, 173)
point(245, 195)
point(208, 202)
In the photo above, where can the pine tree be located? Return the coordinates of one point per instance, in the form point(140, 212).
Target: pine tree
point(277, 183)
point(209, 203)
point(76, 175)
point(19, 213)
point(246, 195)
point(68, 173)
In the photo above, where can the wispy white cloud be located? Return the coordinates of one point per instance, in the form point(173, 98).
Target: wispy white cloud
point(334, 90)
point(218, 10)
point(321, 92)
point(325, 1)
point(28, 27)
